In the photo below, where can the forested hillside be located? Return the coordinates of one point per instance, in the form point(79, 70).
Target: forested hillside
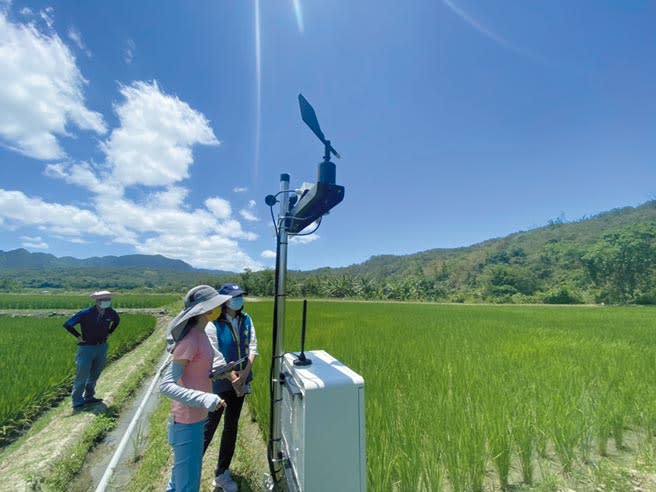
point(609, 258)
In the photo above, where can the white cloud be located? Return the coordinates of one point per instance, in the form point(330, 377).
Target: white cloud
point(34, 242)
point(152, 146)
point(75, 36)
point(219, 207)
point(161, 224)
point(172, 197)
point(129, 51)
point(304, 239)
point(18, 208)
point(267, 253)
point(78, 240)
point(40, 91)
point(214, 251)
point(232, 228)
point(84, 174)
point(248, 215)
point(239, 189)
point(48, 16)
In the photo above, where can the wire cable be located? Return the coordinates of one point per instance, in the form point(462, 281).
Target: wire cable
point(311, 232)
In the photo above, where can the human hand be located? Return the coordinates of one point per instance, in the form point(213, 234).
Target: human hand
point(239, 385)
point(234, 377)
point(217, 403)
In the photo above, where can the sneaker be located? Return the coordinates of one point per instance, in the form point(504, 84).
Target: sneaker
point(91, 401)
point(225, 482)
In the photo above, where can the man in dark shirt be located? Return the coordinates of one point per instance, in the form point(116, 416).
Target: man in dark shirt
point(96, 324)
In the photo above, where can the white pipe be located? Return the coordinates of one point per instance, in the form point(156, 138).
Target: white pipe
point(104, 481)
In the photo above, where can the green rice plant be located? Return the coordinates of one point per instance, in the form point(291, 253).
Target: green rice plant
point(525, 439)
point(77, 301)
point(37, 363)
point(586, 432)
point(522, 420)
point(501, 443)
point(452, 392)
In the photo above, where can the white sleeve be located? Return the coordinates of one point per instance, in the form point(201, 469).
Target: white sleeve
point(219, 361)
point(189, 397)
point(252, 344)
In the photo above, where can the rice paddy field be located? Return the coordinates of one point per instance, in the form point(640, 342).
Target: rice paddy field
point(77, 301)
point(468, 398)
point(37, 362)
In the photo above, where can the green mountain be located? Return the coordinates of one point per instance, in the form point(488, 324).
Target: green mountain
point(21, 258)
point(610, 257)
point(20, 269)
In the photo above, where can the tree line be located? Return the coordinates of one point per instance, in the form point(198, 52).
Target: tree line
point(617, 268)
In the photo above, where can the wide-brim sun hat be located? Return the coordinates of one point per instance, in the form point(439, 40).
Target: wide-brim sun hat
point(232, 290)
point(101, 294)
point(198, 300)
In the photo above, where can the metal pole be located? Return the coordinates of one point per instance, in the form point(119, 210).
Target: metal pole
point(278, 342)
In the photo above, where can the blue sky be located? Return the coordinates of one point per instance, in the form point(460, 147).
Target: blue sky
point(159, 127)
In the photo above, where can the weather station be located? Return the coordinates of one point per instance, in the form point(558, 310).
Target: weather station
point(316, 428)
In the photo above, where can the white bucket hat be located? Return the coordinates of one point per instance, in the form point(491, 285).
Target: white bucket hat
point(198, 300)
point(101, 294)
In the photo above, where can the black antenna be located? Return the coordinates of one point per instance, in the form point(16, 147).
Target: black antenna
point(302, 360)
point(310, 119)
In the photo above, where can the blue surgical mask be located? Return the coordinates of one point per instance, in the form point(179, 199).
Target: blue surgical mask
point(236, 303)
point(105, 304)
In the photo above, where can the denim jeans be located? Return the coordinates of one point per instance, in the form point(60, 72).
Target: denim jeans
point(90, 361)
point(187, 443)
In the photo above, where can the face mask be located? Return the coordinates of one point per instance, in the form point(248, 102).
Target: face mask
point(214, 313)
point(236, 303)
point(105, 304)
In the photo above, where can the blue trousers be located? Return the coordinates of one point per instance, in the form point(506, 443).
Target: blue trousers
point(90, 361)
point(187, 443)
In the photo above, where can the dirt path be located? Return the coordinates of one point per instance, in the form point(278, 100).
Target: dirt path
point(25, 463)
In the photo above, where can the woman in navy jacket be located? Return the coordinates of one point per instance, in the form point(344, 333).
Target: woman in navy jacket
point(232, 337)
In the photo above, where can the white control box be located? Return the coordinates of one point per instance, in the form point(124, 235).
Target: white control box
point(323, 426)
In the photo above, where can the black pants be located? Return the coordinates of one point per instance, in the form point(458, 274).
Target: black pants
point(230, 426)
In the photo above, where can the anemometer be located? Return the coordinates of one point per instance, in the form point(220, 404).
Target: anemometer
point(310, 204)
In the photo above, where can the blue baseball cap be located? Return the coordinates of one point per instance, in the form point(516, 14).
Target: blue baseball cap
point(232, 290)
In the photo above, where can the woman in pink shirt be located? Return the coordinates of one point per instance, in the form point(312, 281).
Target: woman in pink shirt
point(188, 383)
